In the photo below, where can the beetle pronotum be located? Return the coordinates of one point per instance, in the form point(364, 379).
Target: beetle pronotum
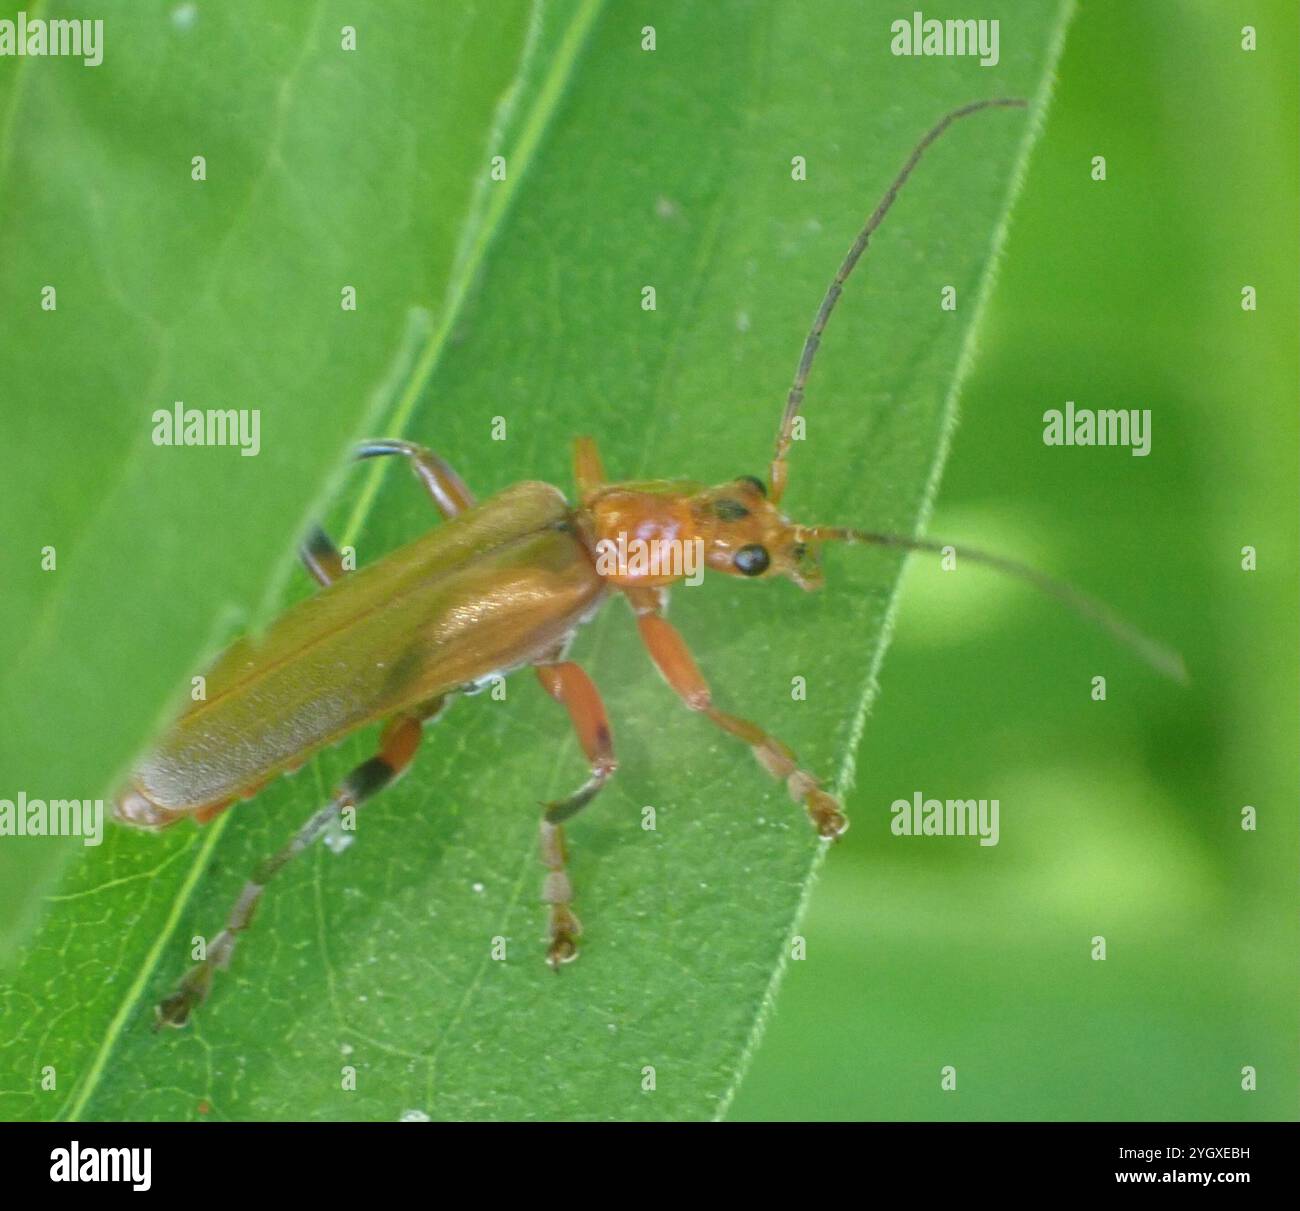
point(503, 585)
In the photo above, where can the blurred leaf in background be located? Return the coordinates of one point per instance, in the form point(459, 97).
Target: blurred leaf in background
point(1120, 819)
point(320, 169)
point(516, 301)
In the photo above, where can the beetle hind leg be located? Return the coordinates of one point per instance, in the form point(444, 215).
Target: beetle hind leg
point(446, 489)
point(397, 746)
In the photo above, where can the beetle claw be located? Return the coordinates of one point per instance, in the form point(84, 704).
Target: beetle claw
point(831, 823)
point(565, 929)
point(175, 1010)
point(563, 950)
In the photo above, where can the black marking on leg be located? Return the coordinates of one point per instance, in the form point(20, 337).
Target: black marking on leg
point(562, 809)
point(319, 543)
point(321, 557)
point(368, 779)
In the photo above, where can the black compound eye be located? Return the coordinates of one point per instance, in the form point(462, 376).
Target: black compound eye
point(729, 510)
point(752, 560)
point(754, 482)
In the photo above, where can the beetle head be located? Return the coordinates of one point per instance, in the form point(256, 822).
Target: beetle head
point(744, 534)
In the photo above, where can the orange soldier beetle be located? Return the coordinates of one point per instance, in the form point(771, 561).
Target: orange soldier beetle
point(500, 586)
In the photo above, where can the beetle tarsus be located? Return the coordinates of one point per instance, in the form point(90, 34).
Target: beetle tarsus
point(175, 1010)
point(565, 930)
point(827, 818)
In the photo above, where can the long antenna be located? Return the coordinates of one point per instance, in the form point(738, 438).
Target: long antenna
point(1161, 658)
point(777, 476)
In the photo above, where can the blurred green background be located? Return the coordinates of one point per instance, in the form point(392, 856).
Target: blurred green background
point(1119, 818)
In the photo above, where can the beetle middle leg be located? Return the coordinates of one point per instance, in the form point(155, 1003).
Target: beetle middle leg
point(673, 659)
point(572, 688)
point(397, 746)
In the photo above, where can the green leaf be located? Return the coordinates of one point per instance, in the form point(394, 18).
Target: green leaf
point(518, 299)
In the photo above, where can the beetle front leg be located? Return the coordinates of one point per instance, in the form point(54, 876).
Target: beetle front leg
point(588, 471)
point(573, 689)
point(397, 746)
point(673, 659)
